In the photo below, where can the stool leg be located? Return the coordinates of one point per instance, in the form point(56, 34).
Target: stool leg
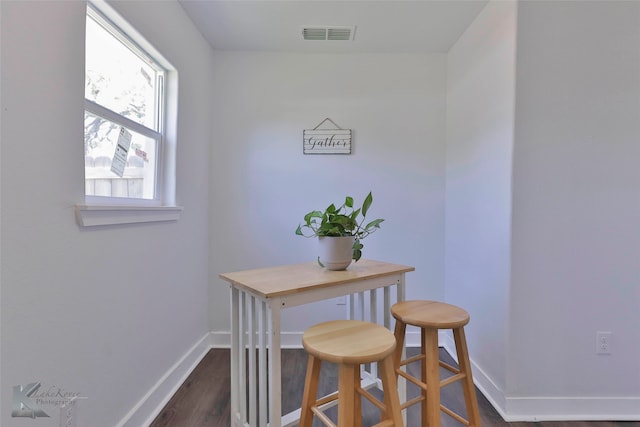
point(473, 415)
point(399, 333)
point(390, 389)
point(310, 392)
point(357, 404)
point(423, 376)
point(346, 394)
point(432, 369)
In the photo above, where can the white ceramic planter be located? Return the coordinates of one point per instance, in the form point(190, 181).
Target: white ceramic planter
point(336, 253)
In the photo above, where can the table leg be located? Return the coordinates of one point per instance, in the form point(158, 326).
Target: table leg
point(251, 334)
point(242, 357)
point(386, 293)
point(262, 363)
point(401, 289)
point(373, 315)
point(235, 351)
point(275, 367)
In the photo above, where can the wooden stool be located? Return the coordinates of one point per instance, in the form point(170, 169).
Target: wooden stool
point(430, 316)
point(350, 343)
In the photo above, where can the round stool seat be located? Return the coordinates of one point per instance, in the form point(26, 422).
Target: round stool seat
point(430, 314)
point(349, 341)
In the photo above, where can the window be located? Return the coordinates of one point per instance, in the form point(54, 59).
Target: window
point(124, 123)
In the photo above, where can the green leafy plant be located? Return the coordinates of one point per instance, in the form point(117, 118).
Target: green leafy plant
point(342, 221)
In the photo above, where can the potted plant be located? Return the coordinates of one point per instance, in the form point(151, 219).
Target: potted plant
point(340, 232)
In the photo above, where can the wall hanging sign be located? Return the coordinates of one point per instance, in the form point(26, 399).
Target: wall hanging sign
point(122, 151)
point(326, 141)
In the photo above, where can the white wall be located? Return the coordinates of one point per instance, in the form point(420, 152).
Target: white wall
point(262, 184)
point(576, 210)
point(480, 117)
point(542, 280)
point(542, 236)
point(104, 312)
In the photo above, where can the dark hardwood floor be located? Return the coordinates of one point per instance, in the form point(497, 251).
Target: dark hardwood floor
point(203, 400)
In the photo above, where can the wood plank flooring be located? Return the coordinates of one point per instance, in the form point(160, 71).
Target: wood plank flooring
point(203, 399)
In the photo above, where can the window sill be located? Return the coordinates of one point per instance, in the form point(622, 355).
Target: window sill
point(96, 215)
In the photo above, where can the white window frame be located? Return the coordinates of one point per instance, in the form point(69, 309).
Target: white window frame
point(100, 210)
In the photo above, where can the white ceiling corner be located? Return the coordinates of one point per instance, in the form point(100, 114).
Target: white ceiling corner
point(396, 26)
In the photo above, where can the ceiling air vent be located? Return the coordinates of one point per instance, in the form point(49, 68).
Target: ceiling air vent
point(338, 33)
point(328, 33)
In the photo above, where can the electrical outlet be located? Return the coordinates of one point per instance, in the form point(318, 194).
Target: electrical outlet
point(603, 342)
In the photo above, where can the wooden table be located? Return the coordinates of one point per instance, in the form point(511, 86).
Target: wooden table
point(257, 298)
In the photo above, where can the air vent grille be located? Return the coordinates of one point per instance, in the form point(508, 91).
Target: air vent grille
point(314, 33)
point(338, 33)
point(328, 33)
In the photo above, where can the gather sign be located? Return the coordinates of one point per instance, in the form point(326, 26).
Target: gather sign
point(326, 141)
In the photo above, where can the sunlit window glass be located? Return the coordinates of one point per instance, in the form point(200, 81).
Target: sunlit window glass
point(123, 121)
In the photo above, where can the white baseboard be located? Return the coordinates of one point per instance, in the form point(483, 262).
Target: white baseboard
point(148, 408)
point(573, 408)
point(563, 408)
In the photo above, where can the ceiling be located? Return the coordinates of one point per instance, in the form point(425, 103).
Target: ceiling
point(381, 25)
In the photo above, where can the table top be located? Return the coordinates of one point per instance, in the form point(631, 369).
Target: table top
point(290, 279)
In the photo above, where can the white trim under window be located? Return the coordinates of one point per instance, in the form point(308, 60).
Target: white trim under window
point(94, 215)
